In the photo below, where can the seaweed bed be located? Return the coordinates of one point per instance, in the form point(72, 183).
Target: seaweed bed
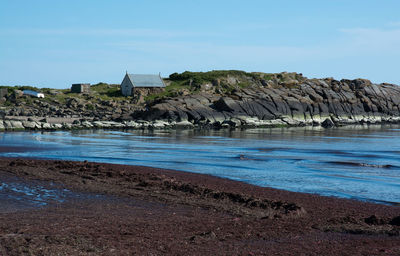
point(149, 211)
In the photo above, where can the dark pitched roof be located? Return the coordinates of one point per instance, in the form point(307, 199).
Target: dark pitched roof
point(146, 80)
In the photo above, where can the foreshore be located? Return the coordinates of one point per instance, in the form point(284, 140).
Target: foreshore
point(25, 123)
point(150, 211)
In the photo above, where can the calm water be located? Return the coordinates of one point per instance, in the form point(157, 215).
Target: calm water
point(346, 162)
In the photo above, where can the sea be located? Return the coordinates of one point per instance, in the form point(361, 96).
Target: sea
point(356, 162)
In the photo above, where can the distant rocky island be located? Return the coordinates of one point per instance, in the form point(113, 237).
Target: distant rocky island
point(215, 99)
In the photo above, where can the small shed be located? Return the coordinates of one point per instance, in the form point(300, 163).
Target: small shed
point(140, 81)
point(80, 88)
point(33, 93)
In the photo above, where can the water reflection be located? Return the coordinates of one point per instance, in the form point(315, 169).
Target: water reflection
point(346, 162)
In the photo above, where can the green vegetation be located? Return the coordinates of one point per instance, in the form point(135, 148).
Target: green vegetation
point(107, 91)
point(216, 81)
point(174, 89)
point(89, 106)
point(199, 78)
point(223, 82)
point(99, 92)
point(192, 82)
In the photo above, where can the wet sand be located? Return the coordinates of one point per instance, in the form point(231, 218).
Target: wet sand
point(150, 211)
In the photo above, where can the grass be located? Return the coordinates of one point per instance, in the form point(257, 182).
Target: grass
point(192, 81)
point(99, 92)
point(172, 90)
point(107, 91)
point(177, 84)
point(199, 78)
point(89, 106)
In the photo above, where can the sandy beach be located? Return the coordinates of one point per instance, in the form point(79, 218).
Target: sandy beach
point(147, 211)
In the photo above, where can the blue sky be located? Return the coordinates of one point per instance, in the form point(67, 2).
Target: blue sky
point(55, 43)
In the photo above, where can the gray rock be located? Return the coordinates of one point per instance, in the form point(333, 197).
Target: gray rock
point(98, 124)
point(86, 124)
point(131, 124)
point(227, 104)
point(46, 126)
point(233, 122)
point(328, 123)
point(7, 125)
point(184, 124)
point(29, 125)
point(57, 126)
point(159, 124)
point(67, 126)
point(114, 124)
point(17, 125)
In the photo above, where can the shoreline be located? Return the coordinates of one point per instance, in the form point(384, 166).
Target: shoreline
point(31, 123)
point(211, 215)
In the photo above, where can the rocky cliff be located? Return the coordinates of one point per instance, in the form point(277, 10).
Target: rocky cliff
point(281, 99)
point(217, 99)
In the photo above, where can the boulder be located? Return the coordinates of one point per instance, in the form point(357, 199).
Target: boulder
point(57, 126)
point(29, 125)
point(131, 124)
point(12, 125)
point(98, 124)
point(227, 104)
point(233, 122)
point(87, 124)
point(159, 124)
point(184, 124)
point(46, 126)
point(67, 126)
point(328, 123)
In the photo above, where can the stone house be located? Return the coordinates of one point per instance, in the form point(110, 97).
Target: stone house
point(145, 84)
point(80, 88)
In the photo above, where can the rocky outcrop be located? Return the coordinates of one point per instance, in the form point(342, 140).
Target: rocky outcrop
point(73, 108)
point(216, 99)
point(312, 102)
point(17, 124)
